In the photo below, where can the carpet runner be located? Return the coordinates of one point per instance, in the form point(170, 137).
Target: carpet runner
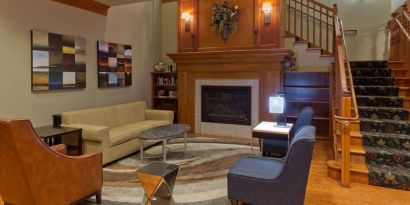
point(384, 124)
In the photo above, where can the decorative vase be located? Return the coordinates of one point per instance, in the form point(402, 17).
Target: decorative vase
point(225, 33)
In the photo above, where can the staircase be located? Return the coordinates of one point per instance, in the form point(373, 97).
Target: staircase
point(384, 125)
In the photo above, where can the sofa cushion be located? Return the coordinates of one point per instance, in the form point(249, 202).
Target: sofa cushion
point(125, 133)
point(129, 113)
point(258, 167)
point(108, 116)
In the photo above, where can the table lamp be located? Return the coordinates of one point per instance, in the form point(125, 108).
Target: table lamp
point(277, 106)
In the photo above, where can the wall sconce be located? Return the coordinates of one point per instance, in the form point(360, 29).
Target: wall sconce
point(187, 19)
point(267, 10)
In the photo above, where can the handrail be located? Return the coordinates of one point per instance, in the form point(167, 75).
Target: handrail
point(403, 29)
point(349, 72)
point(346, 72)
point(344, 99)
point(311, 21)
point(406, 15)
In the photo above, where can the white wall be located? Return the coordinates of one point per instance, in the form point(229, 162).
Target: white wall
point(18, 17)
point(169, 30)
point(370, 18)
point(396, 4)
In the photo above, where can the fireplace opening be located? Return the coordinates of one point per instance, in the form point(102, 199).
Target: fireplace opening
point(226, 104)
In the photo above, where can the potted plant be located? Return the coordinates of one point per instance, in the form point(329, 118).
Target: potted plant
point(224, 18)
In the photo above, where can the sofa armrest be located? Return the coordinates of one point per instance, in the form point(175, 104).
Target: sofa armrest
point(60, 148)
point(92, 132)
point(159, 115)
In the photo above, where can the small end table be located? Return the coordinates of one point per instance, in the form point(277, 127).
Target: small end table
point(52, 135)
point(270, 131)
point(158, 180)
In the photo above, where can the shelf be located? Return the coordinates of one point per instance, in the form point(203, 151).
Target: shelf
point(306, 101)
point(315, 117)
point(164, 73)
point(165, 97)
point(165, 85)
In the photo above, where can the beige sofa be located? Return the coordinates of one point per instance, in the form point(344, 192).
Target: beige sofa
point(113, 130)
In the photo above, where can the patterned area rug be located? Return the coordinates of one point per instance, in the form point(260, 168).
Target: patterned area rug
point(384, 125)
point(202, 176)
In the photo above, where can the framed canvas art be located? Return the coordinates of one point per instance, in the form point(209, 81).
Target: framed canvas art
point(114, 65)
point(58, 61)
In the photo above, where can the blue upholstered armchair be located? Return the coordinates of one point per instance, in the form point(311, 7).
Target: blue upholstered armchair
point(270, 181)
point(280, 147)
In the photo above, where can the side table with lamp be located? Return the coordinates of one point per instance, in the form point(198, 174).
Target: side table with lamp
point(273, 131)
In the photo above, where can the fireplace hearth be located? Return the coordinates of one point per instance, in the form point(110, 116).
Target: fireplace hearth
point(226, 104)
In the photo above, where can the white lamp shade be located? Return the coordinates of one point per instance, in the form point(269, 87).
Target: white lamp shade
point(276, 104)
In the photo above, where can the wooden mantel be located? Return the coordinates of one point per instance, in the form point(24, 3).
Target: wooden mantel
point(265, 65)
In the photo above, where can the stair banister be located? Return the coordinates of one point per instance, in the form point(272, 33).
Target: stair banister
point(345, 99)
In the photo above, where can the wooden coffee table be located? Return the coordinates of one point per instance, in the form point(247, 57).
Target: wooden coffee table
point(164, 133)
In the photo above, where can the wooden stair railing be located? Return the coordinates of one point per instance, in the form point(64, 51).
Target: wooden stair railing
point(311, 21)
point(399, 28)
point(343, 102)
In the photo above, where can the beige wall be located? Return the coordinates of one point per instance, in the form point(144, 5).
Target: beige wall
point(370, 18)
point(18, 17)
point(396, 4)
point(169, 30)
point(137, 24)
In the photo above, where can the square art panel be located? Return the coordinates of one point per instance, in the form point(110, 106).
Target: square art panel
point(114, 65)
point(58, 61)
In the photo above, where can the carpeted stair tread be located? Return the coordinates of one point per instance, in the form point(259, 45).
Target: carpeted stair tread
point(379, 101)
point(377, 90)
point(383, 113)
point(385, 125)
point(374, 72)
point(384, 140)
point(389, 176)
point(387, 156)
point(375, 81)
point(368, 64)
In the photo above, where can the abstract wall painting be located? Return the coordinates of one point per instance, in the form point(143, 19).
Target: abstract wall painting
point(58, 61)
point(114, 65)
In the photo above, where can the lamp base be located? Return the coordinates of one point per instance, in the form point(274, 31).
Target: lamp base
point(281, 124)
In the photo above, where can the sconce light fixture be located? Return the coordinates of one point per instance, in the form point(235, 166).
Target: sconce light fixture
point(267, 10)
point(187, 19)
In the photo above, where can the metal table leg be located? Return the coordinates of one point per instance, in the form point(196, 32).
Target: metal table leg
point(252, 146)
point(185, 141)
point(141, 150)
point(164, 151)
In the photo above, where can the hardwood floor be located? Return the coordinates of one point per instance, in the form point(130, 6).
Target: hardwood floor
point(323, 190)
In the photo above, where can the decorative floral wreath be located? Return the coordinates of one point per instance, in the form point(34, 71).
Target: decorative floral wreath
point(224, 17)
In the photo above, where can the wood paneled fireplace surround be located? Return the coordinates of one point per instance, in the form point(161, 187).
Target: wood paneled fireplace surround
point(264, 65)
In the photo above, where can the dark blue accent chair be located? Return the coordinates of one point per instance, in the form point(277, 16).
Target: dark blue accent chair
point(272, 181)
point(280, 146)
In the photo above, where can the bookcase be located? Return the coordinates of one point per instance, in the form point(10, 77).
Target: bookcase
point(165, 92)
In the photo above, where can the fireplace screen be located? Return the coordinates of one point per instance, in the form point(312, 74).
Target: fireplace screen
point(226, 104)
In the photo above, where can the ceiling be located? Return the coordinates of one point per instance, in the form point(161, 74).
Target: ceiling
point(118, 2)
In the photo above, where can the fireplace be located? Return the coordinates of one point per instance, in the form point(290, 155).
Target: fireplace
point(226, 104)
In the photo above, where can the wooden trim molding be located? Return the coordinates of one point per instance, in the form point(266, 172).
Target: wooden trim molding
point(264, 65)
point(89, 5)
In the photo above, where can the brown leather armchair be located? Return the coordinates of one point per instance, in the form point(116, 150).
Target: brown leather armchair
point(32, 173)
